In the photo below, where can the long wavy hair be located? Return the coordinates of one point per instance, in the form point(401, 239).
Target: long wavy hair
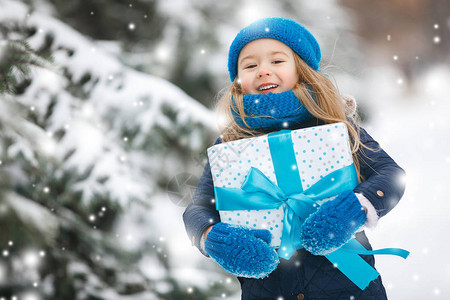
point(327, 106)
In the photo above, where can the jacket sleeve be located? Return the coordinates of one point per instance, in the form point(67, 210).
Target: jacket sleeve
point(384, 184)
point(201, 211)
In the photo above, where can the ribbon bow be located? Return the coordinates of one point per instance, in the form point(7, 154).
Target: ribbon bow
point(259, 192)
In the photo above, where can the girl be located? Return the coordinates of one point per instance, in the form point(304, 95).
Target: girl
point(276, 84)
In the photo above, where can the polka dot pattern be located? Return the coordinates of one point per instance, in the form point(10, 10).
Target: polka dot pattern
point(323, 150)
point(318, 150)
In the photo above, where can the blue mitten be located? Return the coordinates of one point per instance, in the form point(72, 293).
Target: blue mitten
point(242, 251)
point(333, 224)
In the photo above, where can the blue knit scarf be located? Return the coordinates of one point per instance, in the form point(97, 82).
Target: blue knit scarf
point(273, 111)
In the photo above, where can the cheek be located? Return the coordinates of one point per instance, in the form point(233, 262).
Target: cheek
point(245, 84)
point(292, 78)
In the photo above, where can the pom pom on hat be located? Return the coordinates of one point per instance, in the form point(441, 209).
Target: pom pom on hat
point(291, 33)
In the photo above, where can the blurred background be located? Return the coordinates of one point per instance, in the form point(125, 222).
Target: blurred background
point(106, 112)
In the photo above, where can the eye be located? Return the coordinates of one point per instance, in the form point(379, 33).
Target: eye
point(250, 66)
point(277, 61)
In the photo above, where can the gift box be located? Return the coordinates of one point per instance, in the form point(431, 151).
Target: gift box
point(275, 181)
point(316, 152)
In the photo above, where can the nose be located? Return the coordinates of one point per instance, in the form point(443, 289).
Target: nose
point(264, 70)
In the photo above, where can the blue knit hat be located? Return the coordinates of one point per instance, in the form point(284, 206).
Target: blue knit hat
point(297, 37)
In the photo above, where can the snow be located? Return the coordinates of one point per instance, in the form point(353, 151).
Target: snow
point(413, 129)
point(86, 55)
point(411, 125)
point(94, 286)
point(133, 100)
point(13, 10)
point(32, 214)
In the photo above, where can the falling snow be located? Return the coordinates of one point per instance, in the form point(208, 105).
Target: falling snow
point(411, 127)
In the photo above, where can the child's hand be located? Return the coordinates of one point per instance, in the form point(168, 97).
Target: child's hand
point(242, 251)
point(333, 224)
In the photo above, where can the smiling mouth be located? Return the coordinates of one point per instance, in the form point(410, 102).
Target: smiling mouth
point(267, 87)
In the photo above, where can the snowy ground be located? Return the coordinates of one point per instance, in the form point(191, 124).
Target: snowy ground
point(414, 130)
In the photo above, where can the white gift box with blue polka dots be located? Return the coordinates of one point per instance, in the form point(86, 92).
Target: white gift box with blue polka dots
point(318, 150)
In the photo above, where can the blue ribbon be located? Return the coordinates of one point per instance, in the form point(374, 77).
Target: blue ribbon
point(259, 192)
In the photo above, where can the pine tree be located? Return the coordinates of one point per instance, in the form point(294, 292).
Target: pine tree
point(82, 141)
point(16, 58)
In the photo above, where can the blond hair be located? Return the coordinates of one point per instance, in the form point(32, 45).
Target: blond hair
point(327, 105)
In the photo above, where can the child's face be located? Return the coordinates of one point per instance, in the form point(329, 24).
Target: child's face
point(266, 66)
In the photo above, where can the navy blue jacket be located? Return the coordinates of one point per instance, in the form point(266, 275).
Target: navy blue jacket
point(306, 276)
